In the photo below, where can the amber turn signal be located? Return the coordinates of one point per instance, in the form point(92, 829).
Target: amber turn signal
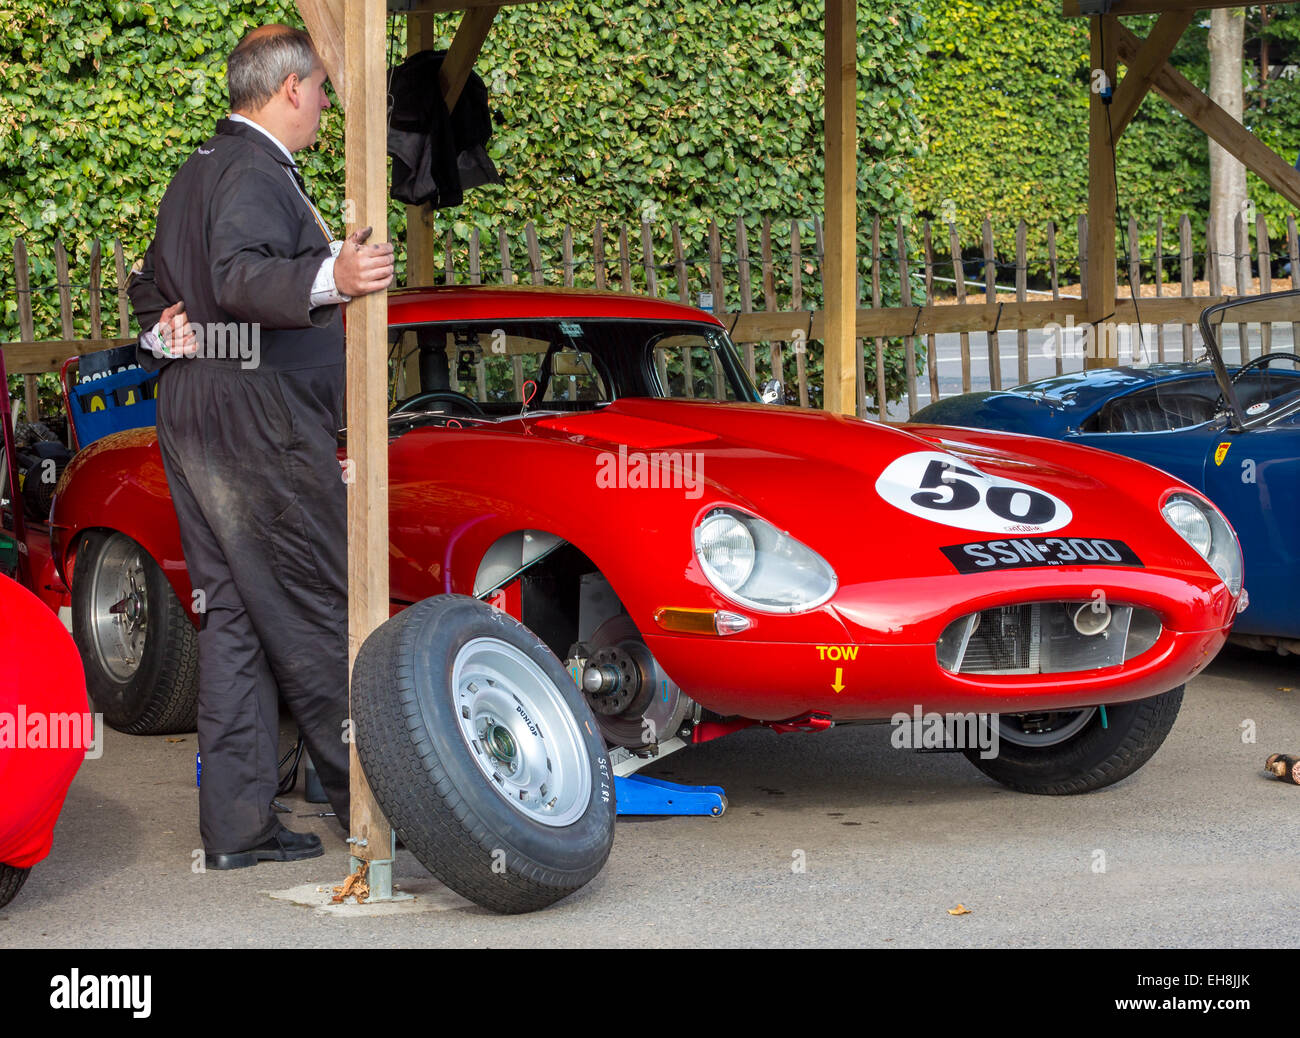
point(701, 621)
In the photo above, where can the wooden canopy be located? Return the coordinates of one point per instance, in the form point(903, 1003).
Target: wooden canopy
point(350, 36)
point(1147, 68)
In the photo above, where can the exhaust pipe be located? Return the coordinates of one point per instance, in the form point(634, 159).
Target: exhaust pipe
point(1089, 621)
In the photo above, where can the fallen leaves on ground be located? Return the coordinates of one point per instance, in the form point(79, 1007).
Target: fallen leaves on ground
point(354, 886)
point(959, 910)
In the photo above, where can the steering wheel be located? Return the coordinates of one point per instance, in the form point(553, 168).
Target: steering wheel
point(417, 402)
point(1259, 362)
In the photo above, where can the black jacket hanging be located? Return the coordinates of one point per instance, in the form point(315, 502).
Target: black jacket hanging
point(436, 155)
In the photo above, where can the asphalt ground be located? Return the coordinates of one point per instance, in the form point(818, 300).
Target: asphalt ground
point(1198, 849)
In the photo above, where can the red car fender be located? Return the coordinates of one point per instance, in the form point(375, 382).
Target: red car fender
point(118, 483)
point(45, 726)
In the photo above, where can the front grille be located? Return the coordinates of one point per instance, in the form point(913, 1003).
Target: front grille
point(1046, 638)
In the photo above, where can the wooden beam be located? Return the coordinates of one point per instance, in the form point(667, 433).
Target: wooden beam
point(1101, 183)
point(1159, 44)
point(1194, 103)
point(841, 148)
point(421, 246)
point(445, 6)
point(366, 178)
point(324, 21)
point(31, 358)
point(464, 51)
point(1071, 8)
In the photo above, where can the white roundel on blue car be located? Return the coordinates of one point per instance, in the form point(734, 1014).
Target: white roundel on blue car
point(944, 489)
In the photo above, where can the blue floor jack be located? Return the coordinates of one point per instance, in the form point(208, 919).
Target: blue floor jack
point(642, 795)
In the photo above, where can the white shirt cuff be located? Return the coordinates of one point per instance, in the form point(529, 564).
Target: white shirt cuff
point(152, 341)
point(323, 292)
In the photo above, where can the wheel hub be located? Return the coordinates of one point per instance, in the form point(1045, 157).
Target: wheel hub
point(1045, 729)
point(120, 608)
point(611, 680)
point(520, 731)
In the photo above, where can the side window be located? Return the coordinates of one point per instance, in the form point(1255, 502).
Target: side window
point(508, 362)
point(691, 368)
point(489, 365)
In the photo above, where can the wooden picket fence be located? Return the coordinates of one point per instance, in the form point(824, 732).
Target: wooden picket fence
point(769, 296)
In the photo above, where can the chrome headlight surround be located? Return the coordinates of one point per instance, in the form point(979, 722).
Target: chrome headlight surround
point(751, 562)
point(1203, 526)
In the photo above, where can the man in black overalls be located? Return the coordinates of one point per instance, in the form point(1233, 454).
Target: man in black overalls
point(240, 297)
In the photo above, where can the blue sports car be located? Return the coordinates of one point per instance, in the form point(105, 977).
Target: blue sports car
point(1233, 433)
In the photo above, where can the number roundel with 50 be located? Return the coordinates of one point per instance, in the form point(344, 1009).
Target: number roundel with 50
point(944, 489)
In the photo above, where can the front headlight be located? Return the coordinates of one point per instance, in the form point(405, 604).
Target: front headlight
point(1202, 526)
point(753, 563)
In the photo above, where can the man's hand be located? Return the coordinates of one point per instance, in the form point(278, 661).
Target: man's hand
point(176, 332)
point(360, 268)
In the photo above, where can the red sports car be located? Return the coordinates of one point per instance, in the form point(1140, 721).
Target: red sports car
point(600, 468)
point(45, 730)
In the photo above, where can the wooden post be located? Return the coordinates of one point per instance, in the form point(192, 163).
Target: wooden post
point(1135, 285)
point(1160, 281)
point(1241, 264)
point(1212, 274)
point(1081, 236)
point(503, 249)
point(534, 254)
point(566, 255)
point(96, 276)
point(1188, 269)
point(932, 353)
point(905, 300)
point(684, 294)
point(1263, 252)
point(366, 176)
point(716, 287)
point(746, 288)
point(508, 278)
point(882, 393)
point(648, 260)
point(421, 232)
point(840, 272)
point(1022, 285)
point(421, 235)
point(796, 304)
point(959, 276)
point(1104, 30)
point(679, 266)
point(991, 300)
point(26, 328)
point(1293, 253)
point(123, 315)
point(598, 255)
point(775, 367)
point(624, 260)
point(1056, 290)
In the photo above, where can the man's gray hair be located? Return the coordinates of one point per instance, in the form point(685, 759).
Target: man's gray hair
point(262, 62)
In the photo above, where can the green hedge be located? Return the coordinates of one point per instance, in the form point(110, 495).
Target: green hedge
point(681, 110)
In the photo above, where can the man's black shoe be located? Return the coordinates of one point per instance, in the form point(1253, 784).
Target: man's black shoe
point(285, 845)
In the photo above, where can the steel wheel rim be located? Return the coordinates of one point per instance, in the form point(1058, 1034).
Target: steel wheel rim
point(119, 603)
point(1069, 724)
point(521, 732)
